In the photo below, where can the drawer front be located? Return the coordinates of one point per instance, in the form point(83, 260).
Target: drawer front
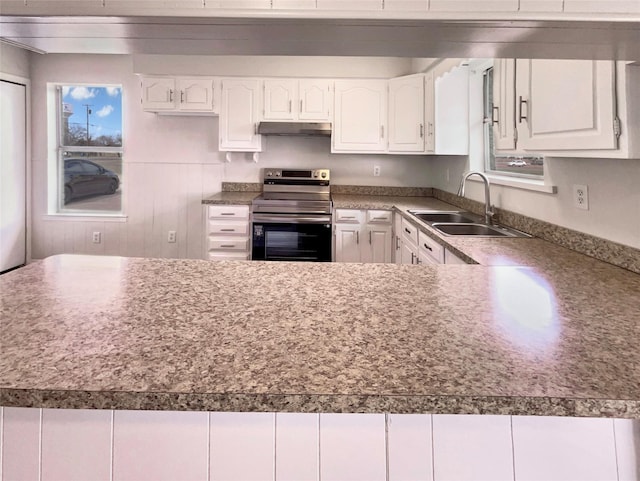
point(379, 216)
point(228, 212)
point(228, 256)
point(431, 248)
point(409, 232)
point(348, 216)
point(229, 228)
point(231, 243)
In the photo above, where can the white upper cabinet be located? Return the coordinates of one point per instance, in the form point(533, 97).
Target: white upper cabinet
point(293, 99)
point(503, 109)
point(349, 4)
point(360, 116)
point(602, 6)
point(181, 94)
point(239, 114)
point(565, 105)
point(429, 113)
point(293, 4)
point(407, 5)
point(237, 4)
point(474, 5)
point(541, 5)
point(406, 114)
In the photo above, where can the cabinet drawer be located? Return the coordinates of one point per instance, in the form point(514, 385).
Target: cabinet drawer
point(379, 216)
point(409, 232)
point(231, 243)
point(228, 212)
point(431, 248)
point(228, 256)
point(228, 228)
point(351, 216)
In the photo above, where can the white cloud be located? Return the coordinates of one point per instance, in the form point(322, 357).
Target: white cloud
point(83, 93)
point(113, 91)
point(104, 111)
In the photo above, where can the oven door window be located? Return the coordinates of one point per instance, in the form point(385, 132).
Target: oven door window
point(292, 242)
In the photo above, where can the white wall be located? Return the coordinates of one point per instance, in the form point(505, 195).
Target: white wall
point(172, 162)
point(14, 61)
point(613, 185)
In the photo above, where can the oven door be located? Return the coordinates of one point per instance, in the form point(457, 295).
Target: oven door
point(281, 237)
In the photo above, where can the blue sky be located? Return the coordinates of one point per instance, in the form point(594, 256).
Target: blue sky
point(105, 104)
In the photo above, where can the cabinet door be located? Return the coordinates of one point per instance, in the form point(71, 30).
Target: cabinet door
point(397, 238)
point(284, 4)
point(349, 4)
point(407, 5)
point(158, 93)
point(474, 5)
point(376, 245)
point(429, 113)
point(347, 243)
point(234, 4)
point(406, 114)
point(504, 107)
point(565, 105)
point(600, 6)
point(196, 94)
point(408, 254)
point(542, 5)
point(280, 99)
point(315, 100)
point(360, 116)
point(239, 116)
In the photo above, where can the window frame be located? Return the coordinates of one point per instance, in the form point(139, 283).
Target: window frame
point(60, 150)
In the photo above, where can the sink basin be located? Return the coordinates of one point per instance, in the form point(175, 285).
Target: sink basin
point(449, 217)
point(478, 230)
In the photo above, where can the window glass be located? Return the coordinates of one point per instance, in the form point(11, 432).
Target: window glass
point(520, 165)
point(90, 179)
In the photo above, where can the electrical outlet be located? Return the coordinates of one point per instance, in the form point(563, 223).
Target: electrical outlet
point(172, 236)
point(96, 237)
point(376, 171)
point(581, 197)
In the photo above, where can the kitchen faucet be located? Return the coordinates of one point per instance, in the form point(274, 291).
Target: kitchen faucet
point(488, 209)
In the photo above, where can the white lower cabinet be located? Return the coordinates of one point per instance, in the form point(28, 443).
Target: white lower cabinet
point(451, 258)
point(362, 235)
point(408, 243)
point(20, 443)
point(297, 446)
point(352, 447)
point(409, 447)
point(227, 232)
point(160, 445)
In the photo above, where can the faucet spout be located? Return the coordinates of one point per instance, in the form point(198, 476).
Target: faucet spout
point(488, 208)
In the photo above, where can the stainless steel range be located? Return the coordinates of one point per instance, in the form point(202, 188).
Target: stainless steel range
point(291, 220)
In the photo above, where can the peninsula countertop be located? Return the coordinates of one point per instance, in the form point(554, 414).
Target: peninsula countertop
point(132, 333)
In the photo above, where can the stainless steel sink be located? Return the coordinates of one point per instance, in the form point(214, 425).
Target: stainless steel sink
point(438, 216)
point(476, 230)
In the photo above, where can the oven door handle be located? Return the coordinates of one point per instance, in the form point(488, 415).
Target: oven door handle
point(297, 219)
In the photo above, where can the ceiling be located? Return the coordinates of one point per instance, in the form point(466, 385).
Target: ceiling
point(618, 40)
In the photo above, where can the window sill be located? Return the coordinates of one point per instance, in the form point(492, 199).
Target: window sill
point(86, 218)
point(516, 183)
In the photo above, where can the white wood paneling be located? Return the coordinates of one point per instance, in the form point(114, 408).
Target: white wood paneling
point(627, 434)
point(76, 444)
point(473, 448)
point(563, 449)
point(160, 445)
point(242, 446)
point(352, 447)
point(297, 447)
point(410, 447)
point(21, 444)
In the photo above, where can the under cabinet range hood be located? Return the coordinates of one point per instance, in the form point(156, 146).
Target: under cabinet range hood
point(295, 128)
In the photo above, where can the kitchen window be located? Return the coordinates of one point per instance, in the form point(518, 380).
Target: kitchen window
point(89, 177)
point(529, 166)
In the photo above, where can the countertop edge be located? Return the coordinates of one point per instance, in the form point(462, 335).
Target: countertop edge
point(321, 403)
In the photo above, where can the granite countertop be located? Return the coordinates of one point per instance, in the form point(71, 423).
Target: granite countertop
point(227, 198)
point(555, 338)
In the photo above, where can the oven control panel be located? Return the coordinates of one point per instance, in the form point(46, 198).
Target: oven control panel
point(316, 174)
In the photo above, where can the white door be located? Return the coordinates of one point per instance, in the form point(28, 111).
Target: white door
point(406, 114)
point(504, 97)
point(378, 247)
point(280, 99)
point(239, 116)
point(565, 105)
point(13, 175)
point(158, 93)
point(315, 100)
point(360, 116)
point(196, 94)
point(348, 243)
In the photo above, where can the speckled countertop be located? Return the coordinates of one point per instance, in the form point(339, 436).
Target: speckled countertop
point(560, 338)
point(241, 198)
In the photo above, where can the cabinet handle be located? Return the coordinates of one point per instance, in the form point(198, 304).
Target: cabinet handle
point(227, 246)
point(357, 237)
point(421, 131)
point(397, 242)
point(348, 217)
point(182, 96)
point(227, 213)
point(427, 247)
point(369, 237)
point(407, 230)
point(382, 131)
point(300, 105)
point(227, 230)
point(412, 257)
point(379, 218)
point(418, 261)
point(170, 95)
point(520, 116)
point(290, 106)
point(495, 115)
point(430, 129)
